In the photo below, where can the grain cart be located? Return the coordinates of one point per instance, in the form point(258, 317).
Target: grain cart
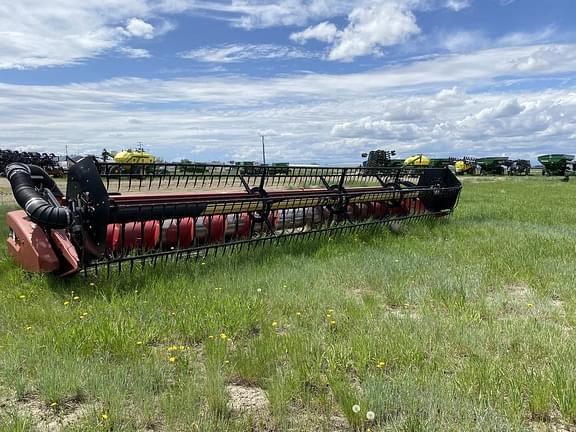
point(557, 164)
point(493, 165)
point(109, 222)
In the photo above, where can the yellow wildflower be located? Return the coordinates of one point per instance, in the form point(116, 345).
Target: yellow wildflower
point(223, 336)
point(66, 303)
point(274, 324)
point(530, 305)
point(22, 296)
point(28, 327)
point(172, 348)
point(104, 416)
point(298, 314)
point(380, 364)
point(172, 359)
point(76, 298)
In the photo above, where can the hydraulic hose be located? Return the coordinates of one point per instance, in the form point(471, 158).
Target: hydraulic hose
point(36, 206)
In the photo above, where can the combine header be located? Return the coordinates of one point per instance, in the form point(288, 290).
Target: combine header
point(122, 220)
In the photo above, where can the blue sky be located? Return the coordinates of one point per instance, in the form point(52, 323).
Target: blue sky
point(324, 80)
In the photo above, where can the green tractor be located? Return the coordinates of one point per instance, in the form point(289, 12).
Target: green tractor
point(519, 167)
point(557, 164)
point(381, 159)
point(442, 162)
point(493, 165)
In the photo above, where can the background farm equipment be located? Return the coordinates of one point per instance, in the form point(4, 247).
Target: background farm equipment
point(123, 221)
point(254, 168)
point(466, 165)
point(519, 167)
point(442, 162)
point(138, 156)
point(557, 164)
point(381, 159)
point(417, 161)
point(493, 165)
point(48, 161)
point(135, 162)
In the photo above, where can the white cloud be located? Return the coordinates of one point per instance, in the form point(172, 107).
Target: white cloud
point(463, 40)
point(540, 59)
point(139, 28)
point(265, 13)
point(506, 108)
point(523, 125)
point(260, 14)
point(234, 53)
point(135, 53)
point(467, 41)
point(326, 118)
point(324, 32)
point(34, 33)
point(457, 5)
point(373, 27)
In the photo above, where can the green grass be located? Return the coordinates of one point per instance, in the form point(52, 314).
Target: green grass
point(466, 324)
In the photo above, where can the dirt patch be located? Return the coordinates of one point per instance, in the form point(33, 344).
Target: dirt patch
point(304, 420)
point(558, 307)
point(554, 424)
point(339, 423)
point(46, 418)
point(518, 292)
point(405, 312)
point(511, 300)
point(247, 400)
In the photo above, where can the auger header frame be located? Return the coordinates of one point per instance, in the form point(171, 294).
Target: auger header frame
point(134, 214)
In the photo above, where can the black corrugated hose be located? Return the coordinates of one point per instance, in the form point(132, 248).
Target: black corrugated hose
point(36, 206)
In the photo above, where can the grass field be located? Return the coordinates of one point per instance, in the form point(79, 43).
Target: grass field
point(465, 324)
